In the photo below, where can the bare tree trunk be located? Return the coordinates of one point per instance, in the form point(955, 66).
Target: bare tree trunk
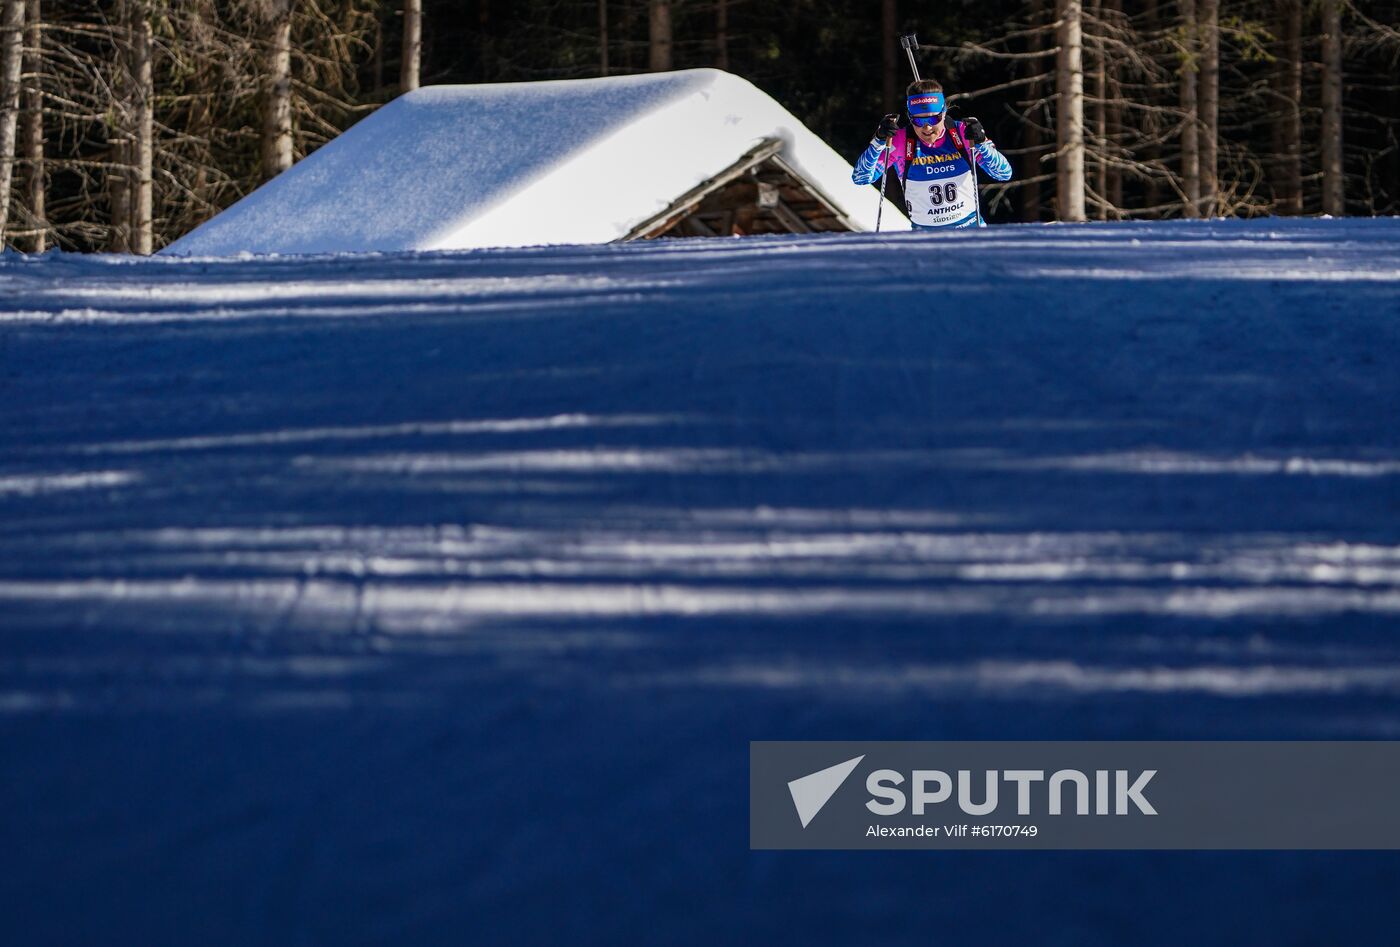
point(602, 37)
point(1209, 99)
point(1190, 104)
point(483, 30)
point(277, 106)
point(1113, 118)
point(660, 36)
point(1152, 187)
point(1100, 113)
point(1333, 186)
point(626, 27)
point(11, 63)
point(889, 51)
point(1069, 122)
point(33, 148)
point(722, 35)
point(411, 67)
point(377, 61)
point(143, 146)
point(1034, 139)
point(1288, 129)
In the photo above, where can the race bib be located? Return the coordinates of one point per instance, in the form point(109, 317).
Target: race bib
point(942, 200)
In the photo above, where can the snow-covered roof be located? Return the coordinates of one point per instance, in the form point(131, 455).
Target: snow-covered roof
point(518, 164)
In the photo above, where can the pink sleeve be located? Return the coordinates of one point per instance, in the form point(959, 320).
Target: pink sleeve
point(894, 154)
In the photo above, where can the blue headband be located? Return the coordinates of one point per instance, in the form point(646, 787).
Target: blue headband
point(926, 103)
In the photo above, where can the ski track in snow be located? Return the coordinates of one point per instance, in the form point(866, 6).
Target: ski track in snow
point(458, 583)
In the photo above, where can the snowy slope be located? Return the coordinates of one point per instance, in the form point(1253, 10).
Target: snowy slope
point(520, 164)
point(435, 598)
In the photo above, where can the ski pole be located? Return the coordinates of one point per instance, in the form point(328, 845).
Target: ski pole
point(976, 190)
point(976, 186)
point(910, 42)
point(884, 176)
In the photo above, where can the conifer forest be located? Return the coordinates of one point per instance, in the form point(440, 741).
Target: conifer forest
point(125, 123)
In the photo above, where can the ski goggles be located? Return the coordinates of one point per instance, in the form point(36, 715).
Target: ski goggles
point(926, 108)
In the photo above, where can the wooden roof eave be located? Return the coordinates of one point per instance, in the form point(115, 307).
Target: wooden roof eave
point(765, 150)
point(817, 194)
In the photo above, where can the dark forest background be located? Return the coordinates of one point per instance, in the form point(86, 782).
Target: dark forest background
point(125, 123)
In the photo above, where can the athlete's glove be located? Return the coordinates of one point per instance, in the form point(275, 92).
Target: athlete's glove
point(888, 126)
point(974, 131)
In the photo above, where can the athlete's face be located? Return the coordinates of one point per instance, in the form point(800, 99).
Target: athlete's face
point(928, 133)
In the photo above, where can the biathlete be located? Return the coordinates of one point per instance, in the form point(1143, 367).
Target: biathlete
point(934, 163)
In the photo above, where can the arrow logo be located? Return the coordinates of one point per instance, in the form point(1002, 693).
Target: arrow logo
point(810, 793)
